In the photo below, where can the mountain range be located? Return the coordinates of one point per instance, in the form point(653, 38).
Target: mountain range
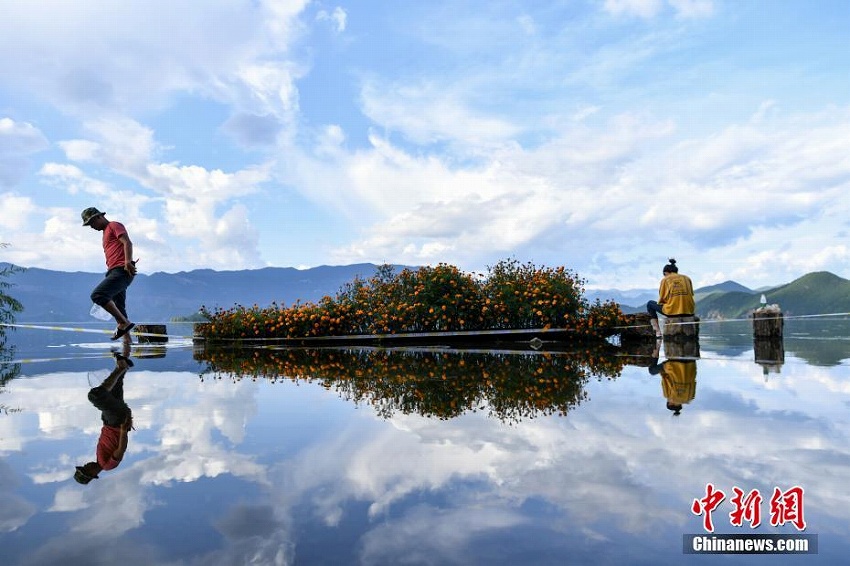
point(59, 296)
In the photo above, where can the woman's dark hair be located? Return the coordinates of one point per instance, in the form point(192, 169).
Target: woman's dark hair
point(670, 267)
point(675, 407)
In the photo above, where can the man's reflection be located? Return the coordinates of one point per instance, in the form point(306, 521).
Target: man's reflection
point(678, 376)
point(117, 420)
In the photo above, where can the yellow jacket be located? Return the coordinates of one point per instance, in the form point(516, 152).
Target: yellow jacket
point(676, 295)
point(679, 381)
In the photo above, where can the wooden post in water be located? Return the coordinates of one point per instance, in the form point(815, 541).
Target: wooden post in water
point(151, 329)
point(681, 349)
point(768, 345)
point(768, 322)
point(682, 328)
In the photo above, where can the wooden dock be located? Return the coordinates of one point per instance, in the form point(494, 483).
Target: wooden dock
point(535, 338)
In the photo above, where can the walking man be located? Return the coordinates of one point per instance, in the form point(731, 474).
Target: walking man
point(111, 293)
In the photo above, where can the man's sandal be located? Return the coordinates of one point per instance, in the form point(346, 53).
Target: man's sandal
point(123, 358)
point(122, 331)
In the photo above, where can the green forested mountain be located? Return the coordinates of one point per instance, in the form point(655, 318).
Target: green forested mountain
point(725, 287)
point(820, 292)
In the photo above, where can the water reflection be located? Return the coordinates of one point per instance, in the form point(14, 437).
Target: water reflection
point(434, 383)
point(301, 457)
point(117, 418)
point(817, 341)
point(678, 373)
point(8, 369)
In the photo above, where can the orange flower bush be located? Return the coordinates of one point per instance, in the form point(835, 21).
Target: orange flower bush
point(429, 299)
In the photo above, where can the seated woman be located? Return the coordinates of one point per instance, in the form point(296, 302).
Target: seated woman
point(675, 296)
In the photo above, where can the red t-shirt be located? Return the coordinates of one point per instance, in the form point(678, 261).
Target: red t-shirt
point(113, 248)
point(107, 444)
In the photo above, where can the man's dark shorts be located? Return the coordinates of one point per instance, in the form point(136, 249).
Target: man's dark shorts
point(113, 287)
point(113, 411)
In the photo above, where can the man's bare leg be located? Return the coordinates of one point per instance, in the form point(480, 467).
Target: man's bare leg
point(120, 369)
point(112, 309)
point(123, 321)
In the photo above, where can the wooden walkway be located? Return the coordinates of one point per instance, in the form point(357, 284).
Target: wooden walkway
point(535, 337)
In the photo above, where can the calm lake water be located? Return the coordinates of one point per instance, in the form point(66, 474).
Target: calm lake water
point(423, 456)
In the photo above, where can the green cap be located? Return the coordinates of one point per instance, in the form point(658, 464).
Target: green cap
point(82, 477)
point(90, 214)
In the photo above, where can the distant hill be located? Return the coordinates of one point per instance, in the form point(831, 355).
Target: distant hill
point(815, 293)
point(632, 298)
point(58, 296)
point(725, 287)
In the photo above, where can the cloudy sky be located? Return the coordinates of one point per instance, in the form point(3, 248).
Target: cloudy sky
point(603, 135)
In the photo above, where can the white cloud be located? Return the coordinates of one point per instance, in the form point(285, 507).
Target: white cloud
point(120, 143)
point(641, 8)
point(80, 150)
point(56, 240)
point(651, 8)
point(20, 137)
point(16, 210)
point(589, 183)
point(430, 113)
point(338, 17)
point(518, 195)
point(199, 205)
point(193, 183)
point(194, 199)
point(18, 141)
point(94, 55)
point(425, 535)
point(73, 180)
point(270, 87)
point(693, 8)
point(527, 24)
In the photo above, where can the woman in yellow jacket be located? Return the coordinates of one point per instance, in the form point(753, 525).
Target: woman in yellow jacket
point(675, 296)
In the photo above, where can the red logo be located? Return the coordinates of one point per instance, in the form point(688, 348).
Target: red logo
point(785, 507)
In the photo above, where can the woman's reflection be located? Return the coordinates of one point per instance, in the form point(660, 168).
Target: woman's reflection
point(117, 420)
point(678, 374)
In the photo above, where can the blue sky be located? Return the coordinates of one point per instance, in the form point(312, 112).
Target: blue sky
point(603, 135)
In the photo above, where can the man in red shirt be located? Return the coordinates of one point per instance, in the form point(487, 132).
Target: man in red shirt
point(111, 293)
point(117, 422)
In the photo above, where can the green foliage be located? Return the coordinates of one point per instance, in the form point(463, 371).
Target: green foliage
point(8, 304)
point(8, 307)
point(8, 371)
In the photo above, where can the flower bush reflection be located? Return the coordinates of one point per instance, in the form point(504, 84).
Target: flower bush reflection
point(442, 384)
